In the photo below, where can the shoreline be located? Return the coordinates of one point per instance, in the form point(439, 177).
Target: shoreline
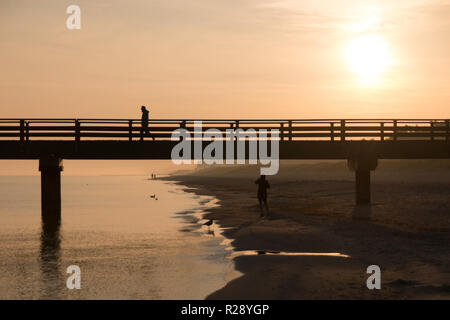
point(193, 224)
point(305, 225)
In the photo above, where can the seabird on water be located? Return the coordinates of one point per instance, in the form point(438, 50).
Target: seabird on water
point(208, 223)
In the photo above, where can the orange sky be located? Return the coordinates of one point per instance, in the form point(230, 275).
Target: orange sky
point(224, 59)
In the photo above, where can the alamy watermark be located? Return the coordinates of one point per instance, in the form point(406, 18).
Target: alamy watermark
point(213, 153)
point(74, 280)
point(374, 281)
point(73, 22)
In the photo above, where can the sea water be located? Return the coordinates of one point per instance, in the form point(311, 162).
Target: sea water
point(132, 238)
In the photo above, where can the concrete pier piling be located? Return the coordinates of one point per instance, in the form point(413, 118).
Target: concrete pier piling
point(50, 168)
point(362, 167)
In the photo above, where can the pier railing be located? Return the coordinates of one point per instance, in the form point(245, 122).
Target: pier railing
point(289, 130)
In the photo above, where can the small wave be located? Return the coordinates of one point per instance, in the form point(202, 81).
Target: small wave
point(285, 253)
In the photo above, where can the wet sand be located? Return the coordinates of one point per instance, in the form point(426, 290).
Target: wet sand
point(406, 232)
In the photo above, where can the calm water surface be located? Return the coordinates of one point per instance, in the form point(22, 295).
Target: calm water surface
point(127, 244)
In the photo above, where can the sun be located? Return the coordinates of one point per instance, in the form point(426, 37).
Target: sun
point(368, 57)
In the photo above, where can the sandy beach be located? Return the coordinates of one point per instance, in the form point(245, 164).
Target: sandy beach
point(406, 231)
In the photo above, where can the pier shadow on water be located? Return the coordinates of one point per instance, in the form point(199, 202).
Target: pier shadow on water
point(50, 259)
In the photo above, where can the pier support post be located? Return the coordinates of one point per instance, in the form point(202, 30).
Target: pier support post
point(50, 169)
point(362, 167)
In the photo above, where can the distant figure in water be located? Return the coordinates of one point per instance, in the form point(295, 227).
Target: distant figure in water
point(263, 185)
point(144, 123)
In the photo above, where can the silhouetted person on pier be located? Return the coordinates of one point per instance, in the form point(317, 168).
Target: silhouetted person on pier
point(144, 124)
point(263, 185)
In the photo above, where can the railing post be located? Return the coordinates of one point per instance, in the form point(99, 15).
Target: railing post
point(234, 131)
point(22, 130)
point(130, 130)
point(290, 130)
point(182, 125)
point(27, 131)
point(447, 136)
point(431, 130)
point(332, 130)
point(395, 130)
point(281, 131)
point(50, 168)
point(382, 131)
point(77, 130)
point(342, 130)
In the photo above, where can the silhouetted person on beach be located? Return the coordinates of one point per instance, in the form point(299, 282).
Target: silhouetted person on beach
point(144, 124)
point(263, 185)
